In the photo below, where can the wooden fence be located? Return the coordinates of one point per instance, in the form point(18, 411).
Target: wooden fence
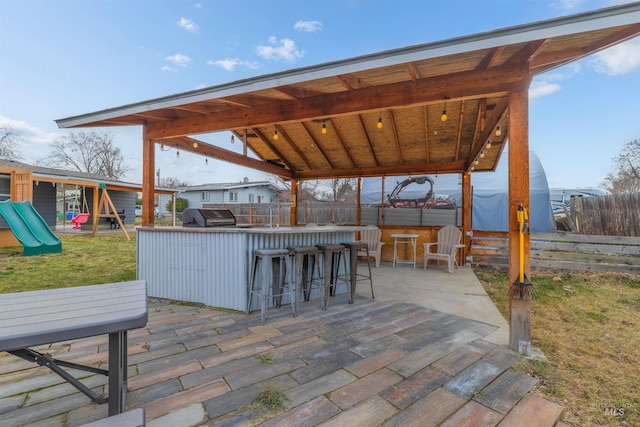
point(561, 250)
point(613, 215)
point(338, 213)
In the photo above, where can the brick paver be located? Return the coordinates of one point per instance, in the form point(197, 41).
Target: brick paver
point(367, 364)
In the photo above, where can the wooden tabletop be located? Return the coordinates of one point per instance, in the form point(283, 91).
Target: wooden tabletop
point(29, 319)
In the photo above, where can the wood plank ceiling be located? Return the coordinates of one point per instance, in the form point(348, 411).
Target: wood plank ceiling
point(328, 117)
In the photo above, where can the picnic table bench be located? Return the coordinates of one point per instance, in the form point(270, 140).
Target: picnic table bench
point(30, 319)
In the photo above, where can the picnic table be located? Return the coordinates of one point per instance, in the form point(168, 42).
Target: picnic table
point(30, 319)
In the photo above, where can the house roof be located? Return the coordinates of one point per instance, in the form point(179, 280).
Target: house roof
point(227, 185)
point(48, 174)
point(405, 89)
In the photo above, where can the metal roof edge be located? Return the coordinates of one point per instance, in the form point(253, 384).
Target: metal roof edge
point(625, 14)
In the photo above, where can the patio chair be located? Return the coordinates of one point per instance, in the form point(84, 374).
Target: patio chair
point(446, 247)
point(371, 236)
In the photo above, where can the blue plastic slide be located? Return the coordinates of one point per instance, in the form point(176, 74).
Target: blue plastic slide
point(29, 228)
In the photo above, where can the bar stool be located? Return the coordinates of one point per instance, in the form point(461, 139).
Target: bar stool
point(305, 270)
point(271, 279)
point(332, 254)
point(353, 248)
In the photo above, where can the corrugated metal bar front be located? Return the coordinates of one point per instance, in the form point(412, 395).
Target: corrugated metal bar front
point(207, 268)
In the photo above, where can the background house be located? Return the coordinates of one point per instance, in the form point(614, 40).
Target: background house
point(202, 196)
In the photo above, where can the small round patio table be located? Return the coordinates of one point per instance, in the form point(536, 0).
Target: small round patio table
point(404, 239)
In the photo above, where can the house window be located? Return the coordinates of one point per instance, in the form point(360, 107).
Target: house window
point(251, 198)
point(5, 187)
point(233, 196)
point(204, 196)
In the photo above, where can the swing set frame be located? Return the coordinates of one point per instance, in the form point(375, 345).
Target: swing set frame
point(105, 209)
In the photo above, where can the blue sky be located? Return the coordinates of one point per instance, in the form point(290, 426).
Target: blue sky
point(61, 58)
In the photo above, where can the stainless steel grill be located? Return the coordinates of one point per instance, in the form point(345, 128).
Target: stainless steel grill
point(193, 217)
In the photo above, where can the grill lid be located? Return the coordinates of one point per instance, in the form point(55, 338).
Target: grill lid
point(193, 217)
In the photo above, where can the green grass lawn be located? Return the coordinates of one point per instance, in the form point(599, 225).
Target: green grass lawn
point(587, 324)
point(84, 260)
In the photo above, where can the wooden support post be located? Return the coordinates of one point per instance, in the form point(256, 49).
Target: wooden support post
point(293, 216)
point(358, 207)
point(148, 180)
point(466, 215)
point(382, 204)
point(96, 218)
point(520, 312)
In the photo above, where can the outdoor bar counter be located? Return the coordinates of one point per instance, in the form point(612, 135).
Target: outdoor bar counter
point(212, 266)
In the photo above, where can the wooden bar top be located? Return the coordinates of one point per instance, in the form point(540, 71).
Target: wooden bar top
point(258, 230)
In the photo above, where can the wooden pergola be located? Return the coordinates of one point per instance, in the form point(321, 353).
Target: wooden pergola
point(382, 114)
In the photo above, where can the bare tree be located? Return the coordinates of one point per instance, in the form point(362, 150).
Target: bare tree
point(307, 190)
point(8, 143)
point(91, 152)
point(626, 176)
point(171, 182)
point(342, 189)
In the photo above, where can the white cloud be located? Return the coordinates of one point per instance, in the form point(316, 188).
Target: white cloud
point(33, 143)
point(539, 89)
point(188, 25)
point(566, 5)
point(169, 69)
point(28, 133)
point(308, 26)
point(179, 59)
point(284, 49)
point(619, 59)
point(230, 64)
point(197, 6)
point(547, 84)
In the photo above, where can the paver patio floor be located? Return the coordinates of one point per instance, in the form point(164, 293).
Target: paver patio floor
point(382, 362)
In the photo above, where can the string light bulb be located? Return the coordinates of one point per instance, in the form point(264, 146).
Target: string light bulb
point(488, 144)
point(380, 122)
point(482, 154)
point(177, 154)
point(233, 139)
point(206, 161)
point(498, 131)
point(195, 144)
point(476, 162)
point(472, 168)
point(324, 128)
point(444, 116)
point(275, 135)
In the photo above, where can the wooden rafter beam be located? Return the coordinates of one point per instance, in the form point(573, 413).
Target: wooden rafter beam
point(332, 129)
point(459, 133)
point(425, 120)
point(492, 121)
point(396, 140)
point(265, 140)
point(457, 86)
point(550, 60)
point(490, 58)
point(204, 149)
point(367, 138)
point(315, 144)
point(285, 139)
point(390, 170)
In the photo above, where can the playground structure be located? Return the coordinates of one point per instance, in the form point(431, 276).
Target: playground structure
point(81, 217)
point(91, 207)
